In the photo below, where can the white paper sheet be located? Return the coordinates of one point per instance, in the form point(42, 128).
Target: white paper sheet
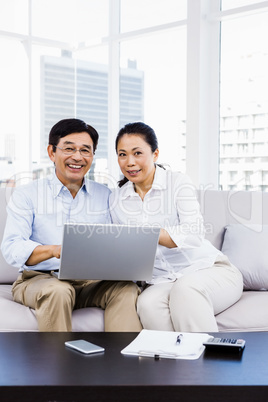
point(163, 344)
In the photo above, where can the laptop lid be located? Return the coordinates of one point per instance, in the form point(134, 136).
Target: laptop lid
point(108, 252)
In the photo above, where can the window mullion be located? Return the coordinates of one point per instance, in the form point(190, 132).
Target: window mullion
point(113, 85)
point(202, 126)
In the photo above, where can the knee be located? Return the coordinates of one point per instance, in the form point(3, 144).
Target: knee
point(185, 288)
point(141, 301)
point(144, 304)
point(151, 302)
point(123, 292)
point(130, 289)
point(61, 293)
point(145, 300)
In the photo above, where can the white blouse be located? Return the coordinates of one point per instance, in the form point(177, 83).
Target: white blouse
point(171, 204)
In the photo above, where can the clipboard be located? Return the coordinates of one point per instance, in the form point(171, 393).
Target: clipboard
point(165, 344)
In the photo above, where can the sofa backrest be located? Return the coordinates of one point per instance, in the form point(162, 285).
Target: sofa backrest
point(219, 208)
point(8, 274)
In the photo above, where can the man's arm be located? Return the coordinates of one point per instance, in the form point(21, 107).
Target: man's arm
point(18, 248)
point(43, 253)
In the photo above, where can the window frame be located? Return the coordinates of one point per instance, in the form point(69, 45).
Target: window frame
point(203, 23)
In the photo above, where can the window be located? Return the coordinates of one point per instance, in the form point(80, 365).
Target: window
point(194, 71)
point(61, 67)
point(231, 4)
point(11, 21)
point(14, 105)
point(52, 69)
point(160, 88)
point(244, 100)
point(139, 14)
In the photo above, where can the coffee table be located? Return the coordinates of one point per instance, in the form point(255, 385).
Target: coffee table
point(38, 367)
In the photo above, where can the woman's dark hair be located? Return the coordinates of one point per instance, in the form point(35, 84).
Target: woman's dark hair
point(137, 128)
point(69, 126)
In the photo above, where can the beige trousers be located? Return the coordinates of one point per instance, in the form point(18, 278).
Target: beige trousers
point(191, 302)
point(54, 301)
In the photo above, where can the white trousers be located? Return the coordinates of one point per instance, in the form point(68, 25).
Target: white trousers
point(191, 302)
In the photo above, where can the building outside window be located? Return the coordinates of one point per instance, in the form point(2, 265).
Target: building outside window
point(244, 95)
point(110, 62)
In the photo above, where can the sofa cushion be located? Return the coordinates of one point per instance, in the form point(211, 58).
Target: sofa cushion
point(89, 319)
point(17, 317)
point(248, 314)
point(247, 248)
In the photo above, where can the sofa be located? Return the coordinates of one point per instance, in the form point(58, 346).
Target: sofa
point(234, 222)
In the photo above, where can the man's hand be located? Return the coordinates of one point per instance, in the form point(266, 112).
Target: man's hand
point(56, 251)
point(43, 253)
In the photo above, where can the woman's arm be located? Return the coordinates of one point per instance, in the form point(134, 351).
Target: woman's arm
point(189, 231)
point(166, 240)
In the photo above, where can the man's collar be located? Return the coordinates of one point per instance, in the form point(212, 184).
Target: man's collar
point(86, 186)
point(57, 186)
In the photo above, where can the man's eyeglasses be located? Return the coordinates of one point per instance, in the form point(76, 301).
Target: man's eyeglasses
point(85, 152)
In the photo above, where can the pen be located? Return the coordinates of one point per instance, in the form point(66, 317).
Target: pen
point(179, 338)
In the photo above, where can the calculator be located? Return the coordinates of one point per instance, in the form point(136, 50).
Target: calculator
point(228, 344)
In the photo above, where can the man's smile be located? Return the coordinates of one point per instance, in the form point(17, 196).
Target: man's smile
point(74, 166)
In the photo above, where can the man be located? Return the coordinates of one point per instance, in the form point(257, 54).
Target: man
point(33, 233)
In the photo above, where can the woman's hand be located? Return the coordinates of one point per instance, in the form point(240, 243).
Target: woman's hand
point(165, 239)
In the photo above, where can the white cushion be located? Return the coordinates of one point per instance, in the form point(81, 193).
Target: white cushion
point(88, 319)
point(247, 315)
point(17, 317)
point(247, 248)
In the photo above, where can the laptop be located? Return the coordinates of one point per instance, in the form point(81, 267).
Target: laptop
point(108, 252)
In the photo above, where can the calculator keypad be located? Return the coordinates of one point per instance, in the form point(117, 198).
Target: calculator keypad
point(225, 343)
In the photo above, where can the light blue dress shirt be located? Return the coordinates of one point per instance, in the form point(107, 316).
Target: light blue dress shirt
point(38, 211)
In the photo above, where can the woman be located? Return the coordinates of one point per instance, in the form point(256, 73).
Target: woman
point(192, 280)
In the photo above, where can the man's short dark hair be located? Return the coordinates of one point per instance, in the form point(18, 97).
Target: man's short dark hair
point(69, 126)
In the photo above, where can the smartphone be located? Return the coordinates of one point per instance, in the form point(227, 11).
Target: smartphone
point(84, 346)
